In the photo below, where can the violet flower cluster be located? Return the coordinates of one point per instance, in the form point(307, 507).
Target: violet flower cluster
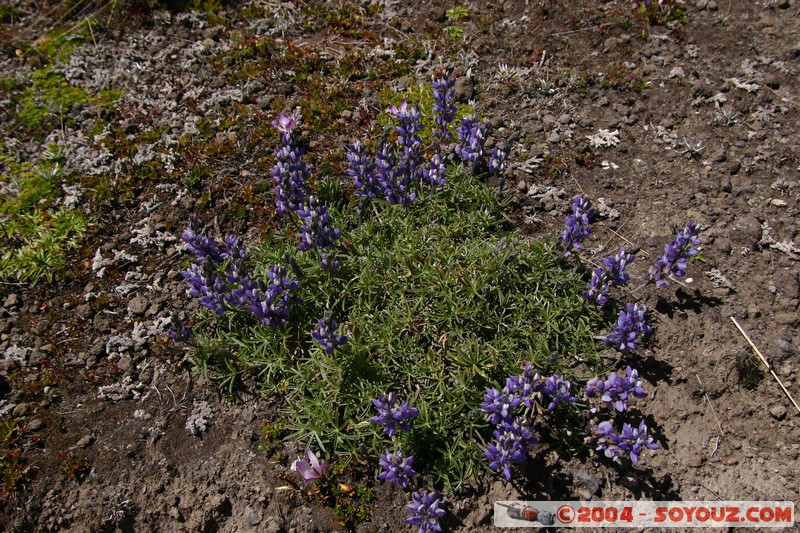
point(392, 415)
point(630, 442)
point(630, 327)
point(290, 171)
point(316, 232)
point(426, 509)
point(327, 335)
point(615, 392)
point(677, 253)
point(177, 330)
point(497, 161)
point(291, 174)
point(472, 137)
point(513, 434)
point(577, 225)
point(363, 171)
point(443, 108)
point(220, 280)
point(400, 164)
point(612, 273)
point(396, 468)
point(271, 302)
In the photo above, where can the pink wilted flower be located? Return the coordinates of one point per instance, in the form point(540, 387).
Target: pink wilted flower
point(312, 469)
point(286, 124)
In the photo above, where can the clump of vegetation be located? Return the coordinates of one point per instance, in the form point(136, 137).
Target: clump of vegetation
point(392, 337)
point(12, 468)
point(35, 231)
point(749, 372)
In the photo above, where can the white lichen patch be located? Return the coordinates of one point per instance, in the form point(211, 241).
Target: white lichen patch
point(603, 138)
point(198, 421)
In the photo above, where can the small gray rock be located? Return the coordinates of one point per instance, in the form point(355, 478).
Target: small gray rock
point(11, 301)
point(138, 305)
point(588, 480)
point(251, 516)
point(778, 412)
point(20, 410)
point(85, 441)
point(746, 231)
point(694, 460)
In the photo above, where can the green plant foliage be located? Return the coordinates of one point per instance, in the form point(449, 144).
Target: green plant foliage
point(34, 233)
point(50, 95)
point(439, 301)
point(12, 469)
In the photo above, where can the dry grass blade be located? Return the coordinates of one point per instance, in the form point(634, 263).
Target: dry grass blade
point(766, 364)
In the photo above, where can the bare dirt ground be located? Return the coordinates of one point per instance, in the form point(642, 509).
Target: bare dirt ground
point(118, 433)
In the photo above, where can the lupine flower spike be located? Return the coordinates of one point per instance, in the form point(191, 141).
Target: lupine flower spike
point(396, 468)
point(629, 443)
point(472, 137)
point(290, 172)
point(391, 415)
point(677, 253)
point(577, 225)
point(426, 510)
point(613, 273)
point(631, 326)
point(326, 334)
point(443, 108)
point(615, 392)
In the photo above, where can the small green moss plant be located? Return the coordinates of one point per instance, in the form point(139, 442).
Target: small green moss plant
point(34, 230)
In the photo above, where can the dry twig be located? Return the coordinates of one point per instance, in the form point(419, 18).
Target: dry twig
point(766, 364)
point(713, 412)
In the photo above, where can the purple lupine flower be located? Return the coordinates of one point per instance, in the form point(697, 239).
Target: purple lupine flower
point(363, 171)
point(629, 443)
point(434, 174)
point(426, 510)
point(317, 232)
point(396, 468)
point(472, 137)
point(530, 385)
point(559, 391)
point(392, 176)
point(443, 108)
point(677, 253)
point(594, 388)
point(635, 439)
point(391, 415)
point(608, 441)
point(497, 405)
point(612, 273)
point(617, 389)
point(177, 331)
point(398, 174)
point(326, 334)
point(497, 161)
point(272, 302)
point(507, 449)
point(577, 225)
point(521, 428)
point(208, 287)
point(290, 171)
point(204, 248)
point(631, 325)
point(312, 469)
